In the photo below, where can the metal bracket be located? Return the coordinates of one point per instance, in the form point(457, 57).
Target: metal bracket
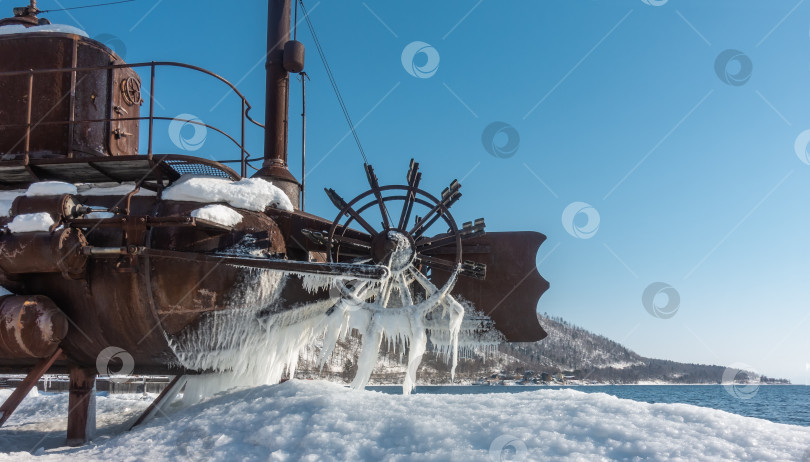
point(134, 236)
point(30, 381)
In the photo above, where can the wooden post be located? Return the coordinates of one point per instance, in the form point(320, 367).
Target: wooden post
point(81, 402)
point(26, 386)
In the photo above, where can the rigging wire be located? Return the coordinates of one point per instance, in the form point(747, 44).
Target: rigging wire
point(295, 22)
point(85, 6)
point(332, 81)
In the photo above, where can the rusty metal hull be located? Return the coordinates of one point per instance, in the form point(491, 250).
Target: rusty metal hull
point(140, 307)
point(139, 302)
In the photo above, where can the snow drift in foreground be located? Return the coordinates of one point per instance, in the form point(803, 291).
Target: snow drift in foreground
point(301, 420)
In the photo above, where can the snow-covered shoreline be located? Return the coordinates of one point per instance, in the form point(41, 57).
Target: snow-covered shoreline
point(311, 420)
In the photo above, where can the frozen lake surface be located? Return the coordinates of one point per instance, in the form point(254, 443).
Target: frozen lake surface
point(310, 420)
point(788, 404)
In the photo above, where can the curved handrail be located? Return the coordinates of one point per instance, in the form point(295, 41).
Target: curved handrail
point(58, 70)
point(124, 119)
point(245, 159)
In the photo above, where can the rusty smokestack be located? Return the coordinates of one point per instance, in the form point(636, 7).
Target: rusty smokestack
point(274, 167)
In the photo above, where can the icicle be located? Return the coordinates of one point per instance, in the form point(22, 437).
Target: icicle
point(418, 345)
point(256, 340)
point(368, 355)
point(315, 282)
point(456, 317)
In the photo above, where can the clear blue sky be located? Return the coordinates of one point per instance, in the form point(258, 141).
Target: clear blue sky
point(618, 104)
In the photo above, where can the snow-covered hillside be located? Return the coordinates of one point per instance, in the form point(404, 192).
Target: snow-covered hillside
point(568, 350)
point(587, 356)
point(305, 420)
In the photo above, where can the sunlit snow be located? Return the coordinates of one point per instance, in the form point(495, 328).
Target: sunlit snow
point(50, 188)
point(53, 28)
point(248, 193)
point(31, 222)
point(304, 420)
point(218, 213)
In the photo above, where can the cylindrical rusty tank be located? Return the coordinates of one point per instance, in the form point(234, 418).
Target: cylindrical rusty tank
point(64, 108)
point(30, 327)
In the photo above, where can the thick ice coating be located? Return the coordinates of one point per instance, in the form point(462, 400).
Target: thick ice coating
point(257, 339)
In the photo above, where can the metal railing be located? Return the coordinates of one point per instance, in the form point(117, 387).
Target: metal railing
point(30, 125)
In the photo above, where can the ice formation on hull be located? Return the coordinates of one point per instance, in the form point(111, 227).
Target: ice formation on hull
point(257, 340)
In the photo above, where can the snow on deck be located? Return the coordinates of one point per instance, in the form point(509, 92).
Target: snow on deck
point(302, 420)
point(31, 222)
point(53, 28)
point(50, 188)
point(218, 213)
point(248, 193)
point(111, 189)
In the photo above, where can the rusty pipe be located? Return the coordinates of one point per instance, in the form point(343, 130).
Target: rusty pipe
point(275, 133)
point(58, 252)
point(58, 207)
point(274, 167)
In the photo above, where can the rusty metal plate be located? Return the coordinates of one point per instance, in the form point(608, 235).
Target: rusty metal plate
point(512, 287)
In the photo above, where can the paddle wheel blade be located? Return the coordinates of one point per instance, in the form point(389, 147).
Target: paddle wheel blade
point(512, 287)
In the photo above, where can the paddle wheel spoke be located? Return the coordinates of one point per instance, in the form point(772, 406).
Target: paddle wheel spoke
point(438, 263)
point(450, 196)
point(413, 178)
point(423, 281)
point(375, 188)
point(469, 230)
point(348, 210)
point(406, 298)
point(353, 243)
